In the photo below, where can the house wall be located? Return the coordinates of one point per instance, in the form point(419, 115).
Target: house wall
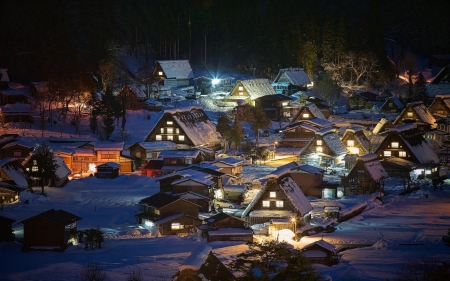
point(230, 223)
point(272, 186)
point(16, 151)
point(301, 135)
point(8, 196)
point(386, 145)
point(188, 226)
point(179, 206)
point(358, 181)
point(439, 107)
point(40, 232)
point(193, 186)
point(303, 114)
point(350, 136)
point(390, 107)
point(308, 182)
point(167, 129)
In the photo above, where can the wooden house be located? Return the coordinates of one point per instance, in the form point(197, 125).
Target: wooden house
point(20, 149)
point(202, 264)
point(204, 202)
point(225, 227)
point(169, 215)
point(320, 252)
point(309, 179)
point(439, 85)
point(279, 197)
point(50, 230)
point(308, 112)
point(12, 172)
point(187, 127)
point(417, 113)
point(440, 107)
point(142, 151)
point(392, 105)
point(61, 174)
point(299, 134)
point(326, 148)
point(12, 96)
point(366, 177)
point(362, 100)
point(173, 73)
point(108, 170)
point(404, 149)
point(250, 90)
point(16, 112)
point(86, 158)
point(356, 141)
point(200, 183)
point(6, 231)
point(206, 83)
point(291, 80)
point(174, 160)
point(9, 193)
point(278, 107)
point(153, 167)
point(229, 165)
point(38, 88)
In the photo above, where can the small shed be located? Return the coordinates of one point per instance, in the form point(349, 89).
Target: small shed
point(320, 252)
point(51, 230)
point(108, 170)
point(6, 231)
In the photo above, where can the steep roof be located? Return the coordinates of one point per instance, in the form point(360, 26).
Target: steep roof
point(310, 169)
point(156, 145)
point(256, 88)
point(62, 170)
point(159, 200)
point(440, 83)
point(296, 76)
point(111, 146)
point(180, 153)
point(421, 110)
point(276, 97)
point(15, 171)
point(220, 217)
point(373, 167)
point(323, 244)
point(334, 143)
point(58, 216)
point(113, 165)
point(229, 161)
point(178, 69)
point(315, 111)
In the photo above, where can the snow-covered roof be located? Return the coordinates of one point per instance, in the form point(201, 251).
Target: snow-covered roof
point(421, 111)
point(235, 188)
point(296, 76)
point(310, 169)
point(14, 171)
point(178, 69)
point(191, 195)
point(83, 152)
point(323, 244)
point(315, 111)
point(110, 164)
point(319, 122)
point(440, 83)
point(180, 153)
point(231, 161)
point(157, 145)
point(396, 101)
point(296, 196)
point(335, 144)
point(325, 131)
point(368, 157)
point(198, 179)
point(196, 124)
point(197, 258)
point(375, 169)
point(282, 170)
point(256, 88)
point(14, 92)
point(108, 146)
point(62, 170)
point(23, 143)
point(168, 218)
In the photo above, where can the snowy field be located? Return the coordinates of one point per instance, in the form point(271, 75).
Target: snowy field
point(386, 235)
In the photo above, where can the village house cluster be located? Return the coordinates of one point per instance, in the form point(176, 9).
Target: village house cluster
point(181, 153)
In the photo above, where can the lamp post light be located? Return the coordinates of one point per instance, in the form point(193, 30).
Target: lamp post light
point(274, 147)
point(294, 220)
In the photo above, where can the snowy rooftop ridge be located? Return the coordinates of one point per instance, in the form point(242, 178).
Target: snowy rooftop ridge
point(197, 258)
point(176, 68)
point(296, 196)
point(183, 109)
point(334, 143)
point(258, 87)
point(282, 170)
point(315, 110)
point(368, 157)
point(376, 170)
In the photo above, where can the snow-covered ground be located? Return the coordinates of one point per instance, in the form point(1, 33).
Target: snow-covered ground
point(386, 235)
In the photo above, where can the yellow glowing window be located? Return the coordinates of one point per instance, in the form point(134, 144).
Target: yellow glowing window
point(319, 142)
point(176, 225)
point(409, 114)
point(169, 122)
point(273, 194)
point(402, 154)
point(279, 204)
point(241, 88)
point(394, 144)
point(158, 137)
point(160, 73)
point(162, 130)
point(266, 204)
point(387, 153)
point(241, 93)
point(305, 115)
point(169, 137)
point(170, 130)
point(319, 149)
point(181, 137)
point(350, 143)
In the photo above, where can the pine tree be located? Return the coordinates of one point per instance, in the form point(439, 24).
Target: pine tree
point(108, 111)
point(420, 88)
point(328, 42)
point(258, 120)
point(340, 44)
point(45, 161)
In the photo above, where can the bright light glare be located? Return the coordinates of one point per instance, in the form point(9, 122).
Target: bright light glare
point(215, 81)
point(149, 223)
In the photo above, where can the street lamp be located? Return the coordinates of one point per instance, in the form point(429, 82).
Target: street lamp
point(294, 220)
point(274, 145)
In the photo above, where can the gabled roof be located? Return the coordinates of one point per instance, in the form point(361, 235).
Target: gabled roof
point(156, 145)
point(191, 195)
point(179, 69)
point(231, 161)
point(256, 88)
point(160, 200)
point(111, 146)
point(62, 170)
point(296, 76)
point(396, 101)
point(180, 153)
point(309, 169)
point(315, 111)
point(276, 97)
point(14, 92)
point(60, 217)
point(220, 217)
point(323, 244)
point(372, 166)
point(201, 180)
point(440, 83)
point(157, 164)
point(16, 107)
point(421, 111)
point(23, 143)
point(110, 164)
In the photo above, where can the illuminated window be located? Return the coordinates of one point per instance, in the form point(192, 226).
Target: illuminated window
point(409, 114)
point(394, 144)
point(160, 73)
point(158, 137)
point(387, 153)
point(279, 204)
point(34, 169)
point(305, 115)
point(181, 137)
point(35, 162)
point(176, 226)
point(156, 211)
point(241, 88)
point(241, 93)
point(273, 194)
point(138, 154)
point(170, 130)
point(319, 142)
point(177, 131)
point(162, 130)
point(266, 204)
point(350, 143)
point(319, 149)
point(428, 172)
point(169, 137)
point(402, 154)
point(284, 103)
point(169, 122)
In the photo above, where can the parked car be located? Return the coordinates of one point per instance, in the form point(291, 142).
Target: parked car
point(223, 203)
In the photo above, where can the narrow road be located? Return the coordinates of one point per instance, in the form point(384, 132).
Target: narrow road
point(282, 161)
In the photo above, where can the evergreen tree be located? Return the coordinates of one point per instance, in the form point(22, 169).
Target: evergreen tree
point(340, 44)
point(44, 159)
point(420, 88)
point(258, 120)
point(94, 106)
point(108, 111)
point(224, 128)
point(328, 42)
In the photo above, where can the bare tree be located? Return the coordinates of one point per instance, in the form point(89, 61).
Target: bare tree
point(93, 272)
point(135, 275)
